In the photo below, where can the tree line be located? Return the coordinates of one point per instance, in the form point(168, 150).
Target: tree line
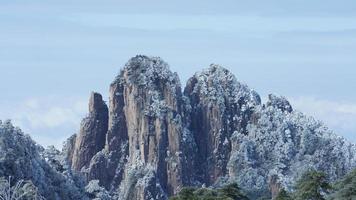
point(312, 185)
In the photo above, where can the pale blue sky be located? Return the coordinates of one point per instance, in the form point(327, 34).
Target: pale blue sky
point(53, 53)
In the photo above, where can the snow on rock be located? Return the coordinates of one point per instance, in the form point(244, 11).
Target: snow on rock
point(220, 105)
point(279, 103)
point(159, 139)
point(284, 145)
point(147, 119)
point(96, 192)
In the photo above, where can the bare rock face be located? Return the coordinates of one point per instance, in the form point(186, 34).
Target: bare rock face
point(274, 186)
point(153, 106)
point(91, 138)
point(144, 147)
point(68, 148)
point(220, 106)
point(108, 165)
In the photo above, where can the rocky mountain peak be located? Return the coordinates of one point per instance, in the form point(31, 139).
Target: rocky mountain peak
point(218, 70)
point(220, 106)
point(152, 140)
point(279, 102)
point(142, 153)
point(96, 103)
point(146, 71)
point(216, 83)
point(92, 134)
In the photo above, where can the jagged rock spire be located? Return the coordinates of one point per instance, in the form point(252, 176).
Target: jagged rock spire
point(92, 134)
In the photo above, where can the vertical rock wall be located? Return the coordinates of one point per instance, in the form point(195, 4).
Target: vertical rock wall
point(220, 106)
point(152, 98)
point(93, 129)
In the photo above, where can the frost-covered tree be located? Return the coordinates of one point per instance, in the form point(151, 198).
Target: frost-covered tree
point(21, 190)
point(22, 159)
point(96, 192)
point(285, 143)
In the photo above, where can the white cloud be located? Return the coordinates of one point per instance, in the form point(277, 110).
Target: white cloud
point(49, 120)
point(337, 115)
point(49, 113)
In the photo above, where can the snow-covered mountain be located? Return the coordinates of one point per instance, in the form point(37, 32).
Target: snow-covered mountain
point(159, 139)
point(153, 138)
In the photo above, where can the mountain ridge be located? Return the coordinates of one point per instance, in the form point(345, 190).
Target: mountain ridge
point(153, 137)
point(213, 131)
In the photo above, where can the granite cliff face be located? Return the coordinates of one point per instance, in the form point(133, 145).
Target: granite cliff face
point(140, 149)
point(153, 139)
point(150, 98)
point(220, 106)
point(91, 138)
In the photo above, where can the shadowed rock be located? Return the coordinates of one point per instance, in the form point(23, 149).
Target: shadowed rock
point(220, 106)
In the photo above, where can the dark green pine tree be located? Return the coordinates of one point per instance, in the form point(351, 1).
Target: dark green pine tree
point(228, 192)
point(283, 195)
point(313, 185)
point(233, 192)
point(185, 194)
point(207, 194)
point(346, 188)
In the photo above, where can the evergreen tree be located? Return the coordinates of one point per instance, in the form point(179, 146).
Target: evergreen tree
point(228, 192)
point(233, 192)
point(346, 188)
point(186, 194)
point(283, 195)
point(207, 194)
point(313, 185)
point(21, 190)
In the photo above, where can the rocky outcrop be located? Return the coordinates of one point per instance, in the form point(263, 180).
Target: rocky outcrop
point(274, 186)
point(146, 138)
point(68, 148)
point(152, 98)
point(220, 106)
point(92, 135)
point(280, 103)
point(153, 139)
